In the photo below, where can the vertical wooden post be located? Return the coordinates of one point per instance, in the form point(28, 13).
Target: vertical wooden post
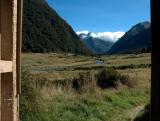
point(10, 46)
point(19, 43)
point(155, 91)
point(0, 59)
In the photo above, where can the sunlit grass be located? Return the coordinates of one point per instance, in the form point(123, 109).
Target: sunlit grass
point(58, 104)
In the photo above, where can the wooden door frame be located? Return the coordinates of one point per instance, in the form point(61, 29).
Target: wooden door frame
point(11, 12)
point(155, 82)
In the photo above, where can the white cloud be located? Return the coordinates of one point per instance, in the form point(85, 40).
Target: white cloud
point(82, 32)
point(108, 36)
point(94, 35)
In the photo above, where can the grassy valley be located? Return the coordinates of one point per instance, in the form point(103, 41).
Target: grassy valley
point(66, 78)
point(55, 99)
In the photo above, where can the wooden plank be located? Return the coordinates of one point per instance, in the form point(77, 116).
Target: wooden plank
point(0, 59)
point(15, 110)
point(9, 102)
point(6, 66)
point(6, 30)
point(7, 97)
point(19, 44)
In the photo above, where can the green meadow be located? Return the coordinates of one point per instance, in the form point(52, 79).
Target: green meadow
point(48, 93)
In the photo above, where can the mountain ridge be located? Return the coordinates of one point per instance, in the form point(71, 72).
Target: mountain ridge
point(136, 40)
point(97, 45)
point(45, 31)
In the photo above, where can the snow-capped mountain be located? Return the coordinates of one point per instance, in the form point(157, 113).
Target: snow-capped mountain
point(100, 42)
point(106, 36)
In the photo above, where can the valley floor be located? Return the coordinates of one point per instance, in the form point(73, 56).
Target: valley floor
point(120, 104)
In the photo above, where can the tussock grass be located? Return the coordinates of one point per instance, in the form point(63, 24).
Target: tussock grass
point(51, 77)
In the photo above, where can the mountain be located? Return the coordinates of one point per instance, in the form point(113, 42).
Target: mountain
point(97, 45)
point(136, 40)
point(45, 31)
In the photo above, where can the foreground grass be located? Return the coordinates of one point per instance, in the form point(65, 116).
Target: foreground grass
point(56, 104)
point(108, 105)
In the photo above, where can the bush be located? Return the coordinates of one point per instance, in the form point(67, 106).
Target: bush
point(29, 95)
point(40, 82)
point(81, 82)
point(107, 78)
point(126, 80)
point(144, 115)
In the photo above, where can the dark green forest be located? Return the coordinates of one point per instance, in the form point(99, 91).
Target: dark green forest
point(136, 40)
point(45, 31)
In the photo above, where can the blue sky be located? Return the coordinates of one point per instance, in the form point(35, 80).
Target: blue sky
point(102, 15)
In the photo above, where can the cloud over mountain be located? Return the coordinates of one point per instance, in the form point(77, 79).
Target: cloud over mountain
point(82, 32)
point(107, 36)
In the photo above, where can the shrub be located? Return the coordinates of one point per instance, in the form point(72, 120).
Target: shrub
point(126, 80)
point(131, 66)
point(40, 82)
point(82, 81)
point(107, 78)
point(29, 95)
